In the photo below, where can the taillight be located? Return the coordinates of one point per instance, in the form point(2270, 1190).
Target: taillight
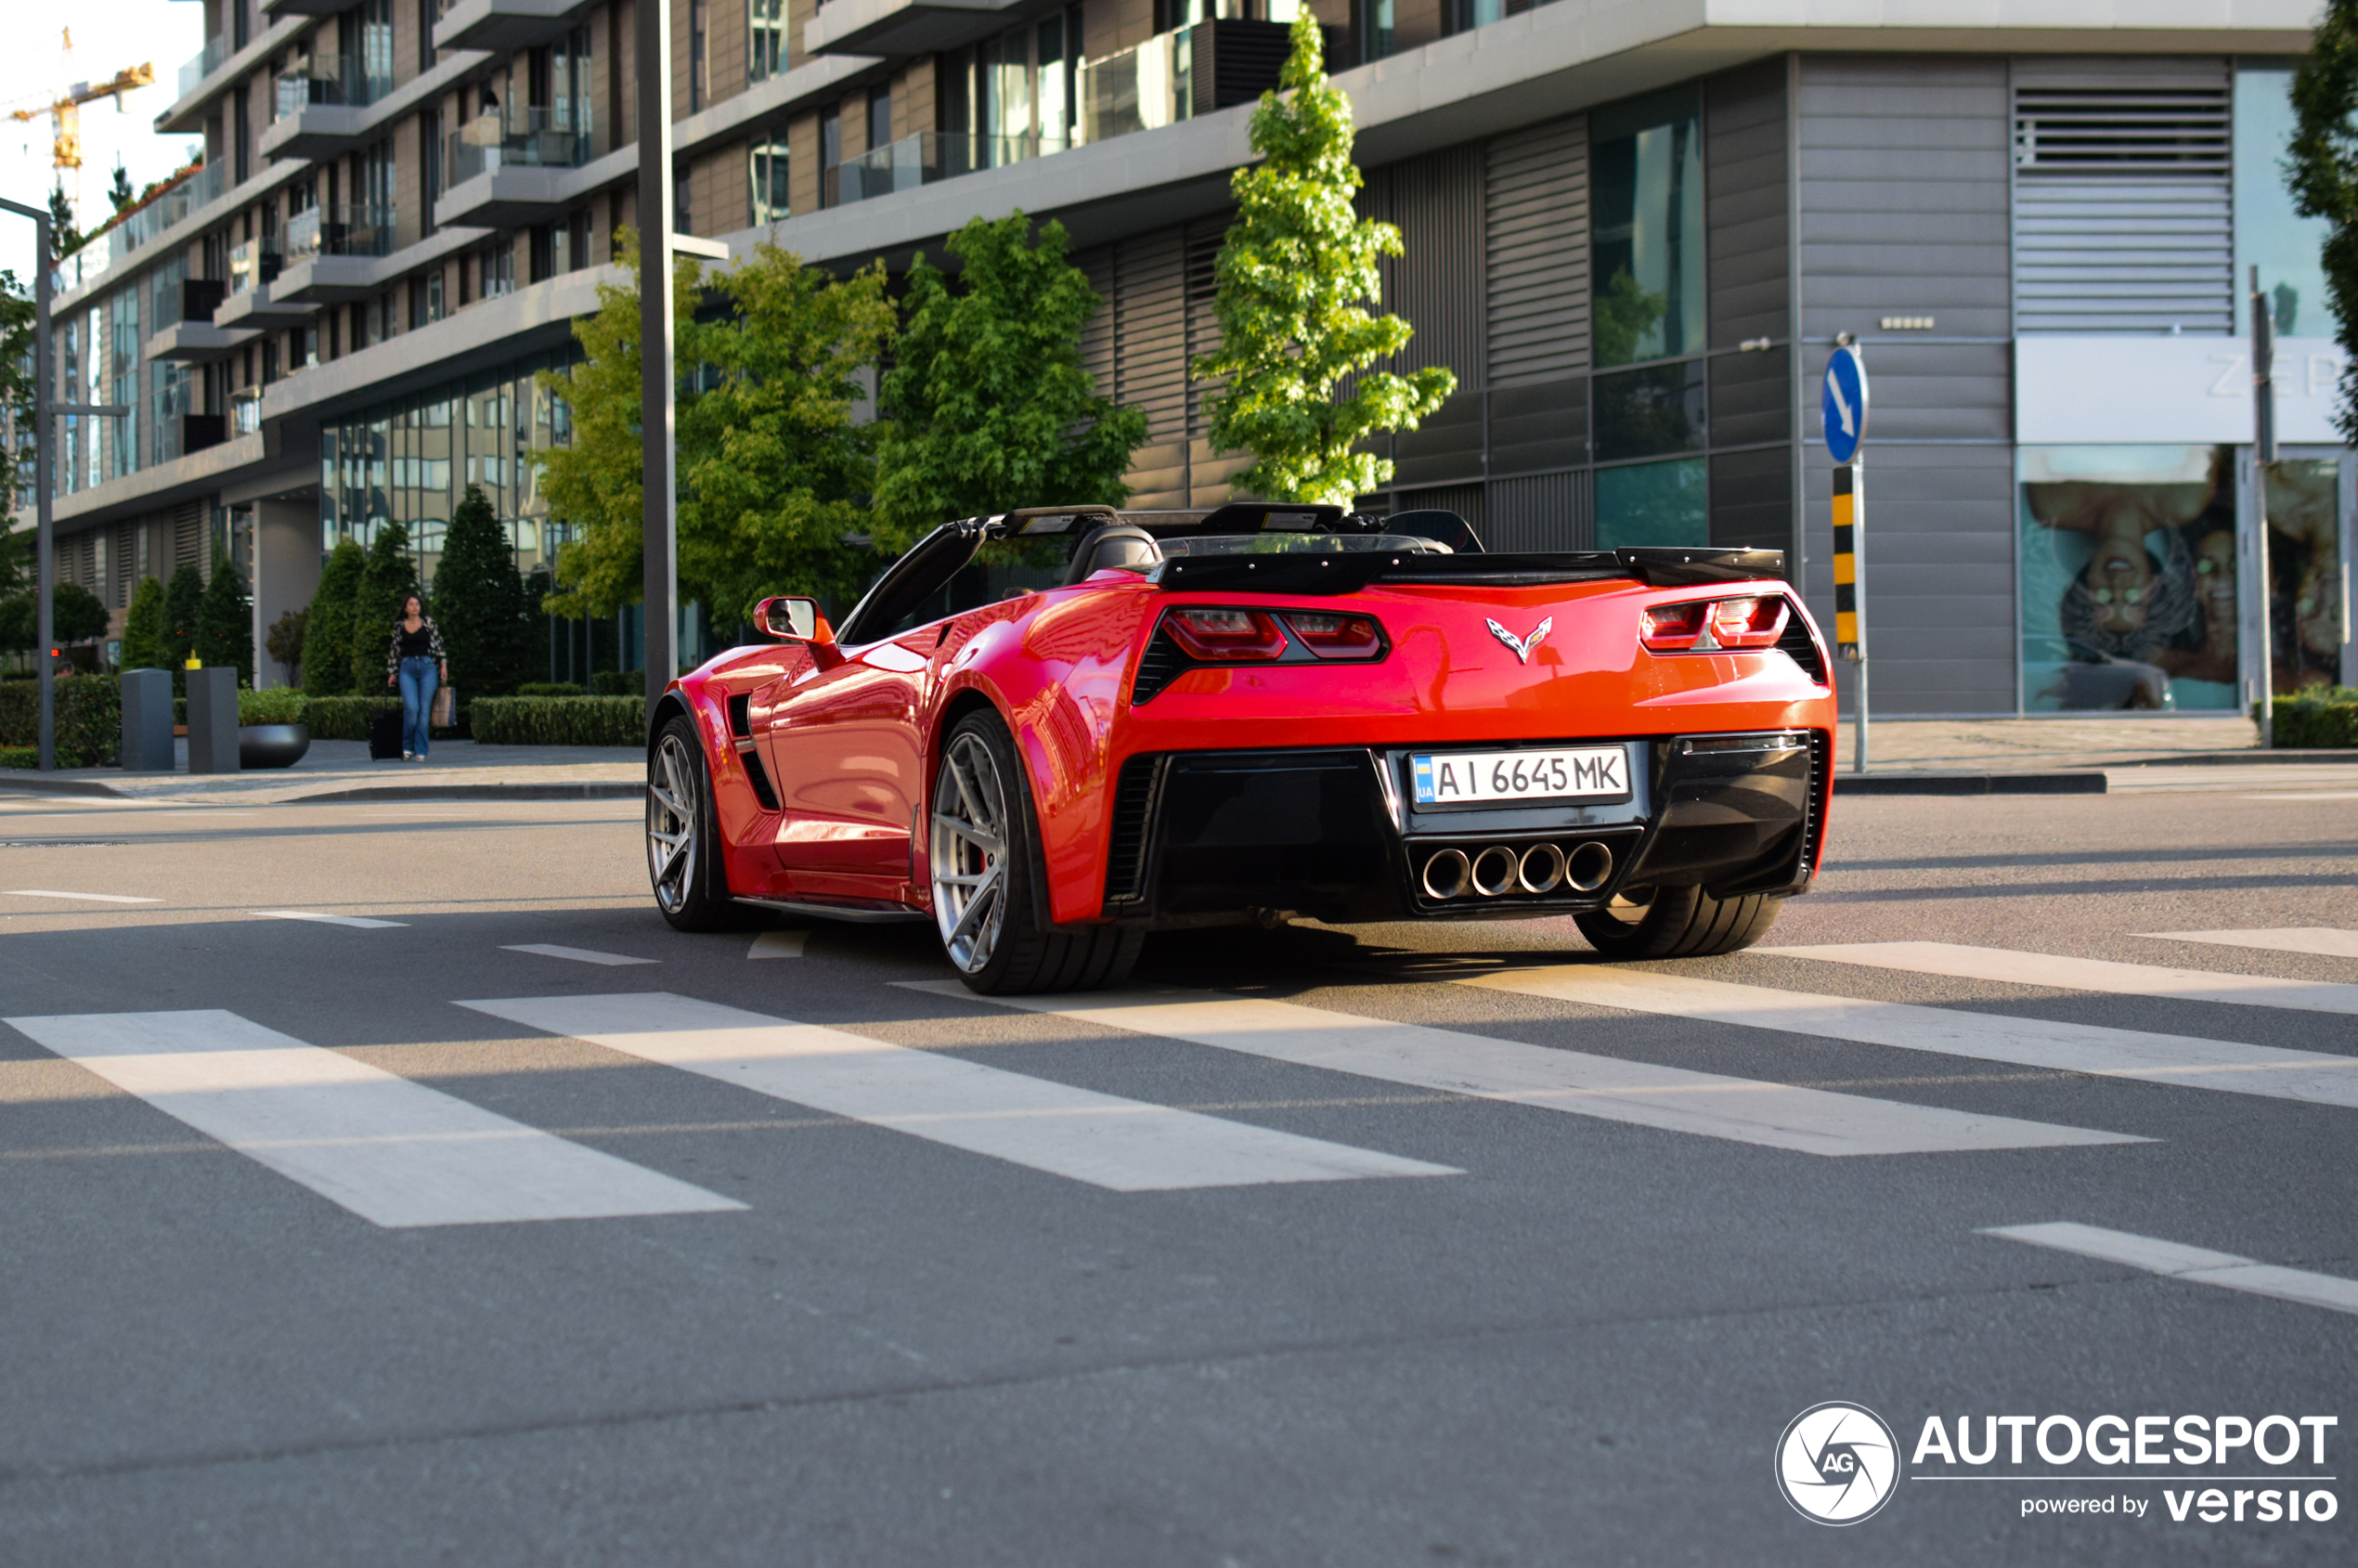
point(1337, 637)
point(1226, 636)
point(1707, 625)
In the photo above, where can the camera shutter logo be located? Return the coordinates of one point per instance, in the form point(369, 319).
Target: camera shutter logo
point(1837, 1463)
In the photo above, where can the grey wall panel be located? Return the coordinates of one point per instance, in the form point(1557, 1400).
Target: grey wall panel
point(1752, 398)
point(1096, 338)
point(1745, 203)
point(1752, 500)
point(1446, 446)
point(1204, 239)
point(1436, 283)
point(1923, 391)
point(1539, 426)
point(1536, 253)
point(1543, 511)
point(1150, 331)
point(1904, 168)
point(1466, 501)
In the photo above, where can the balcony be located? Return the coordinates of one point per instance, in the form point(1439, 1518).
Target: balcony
point(280, 10)
point(924, 159)
point(321, 105)
point(199, 189)
point(199, 431)
point(254, 262)
point(204, 63)
point(332, 253)
point(197, 343)
point(504, 26)
point(1179, 75)
point(254, 308)
point(245, 411)
point(200, 297)
point(901, 27)
point(509, 168)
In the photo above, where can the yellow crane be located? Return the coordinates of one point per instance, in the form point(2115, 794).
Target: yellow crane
point(64, 108)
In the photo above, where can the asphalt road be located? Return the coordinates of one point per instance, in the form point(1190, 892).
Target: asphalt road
point(1464, 1250)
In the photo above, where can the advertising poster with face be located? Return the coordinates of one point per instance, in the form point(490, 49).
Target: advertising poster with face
point(2304, 566)
point(2128, 581)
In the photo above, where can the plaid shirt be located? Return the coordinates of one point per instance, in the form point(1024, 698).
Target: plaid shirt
point(434, 645)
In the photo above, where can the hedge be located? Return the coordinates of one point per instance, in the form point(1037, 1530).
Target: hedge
point(344, 719)
point(2320, 717)
point(89, 719)
point(19, 756)
point(560, 720)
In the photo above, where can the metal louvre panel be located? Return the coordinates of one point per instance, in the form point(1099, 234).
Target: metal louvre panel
point(1096, 337)
point(1545, 512)
point(1535, 276)
point(1745, 207)
point(1436, 284)
point(1151, 332)
point(1203, 241)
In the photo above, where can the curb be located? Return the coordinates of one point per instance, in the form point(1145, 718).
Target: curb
point(33, 782)
point(1969, 784)
point(2238, 759)
point(608, 790)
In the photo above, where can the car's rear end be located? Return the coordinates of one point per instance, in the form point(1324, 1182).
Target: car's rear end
point(1360, 734)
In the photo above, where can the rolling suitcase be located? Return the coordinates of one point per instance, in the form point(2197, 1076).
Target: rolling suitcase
point(385, 735)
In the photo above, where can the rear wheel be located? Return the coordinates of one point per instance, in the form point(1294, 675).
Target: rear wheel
point(684, 849)
point(1676, 922)
point(989, 887)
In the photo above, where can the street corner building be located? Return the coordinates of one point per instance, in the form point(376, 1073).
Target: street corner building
point(1633, 232)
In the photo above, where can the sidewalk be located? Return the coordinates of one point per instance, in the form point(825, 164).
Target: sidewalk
point(340, 770)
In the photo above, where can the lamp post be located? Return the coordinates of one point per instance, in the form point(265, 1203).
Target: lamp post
point(45, 409)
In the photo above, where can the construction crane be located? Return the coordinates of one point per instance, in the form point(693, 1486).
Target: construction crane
point(64, 109)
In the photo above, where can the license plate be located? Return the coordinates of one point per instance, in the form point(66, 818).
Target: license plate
point(1452, 778)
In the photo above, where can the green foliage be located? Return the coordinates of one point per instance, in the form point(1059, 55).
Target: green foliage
point(387, 580)
point(1625, 313)
point(19, 756)
point(225, 621)
point(560, 720)
point(342, 719)
point(988, 405)
point(550, 689)
point(1296, 275)
point(89, 715)
point(278, 705)
point(479, 600)
point(327, 665)
point(283, 642)
point(143, 646)
point(618, 682)
point(75, 614)
point(2321, 717)
point(182, 598)
point(2323, 170)
point(771, 464)
point(16, 397)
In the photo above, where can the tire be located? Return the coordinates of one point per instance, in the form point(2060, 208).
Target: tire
point(990, 888)
point(1676, 922)
point(684, 864)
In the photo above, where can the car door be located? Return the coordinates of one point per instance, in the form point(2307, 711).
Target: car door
point(844, 745)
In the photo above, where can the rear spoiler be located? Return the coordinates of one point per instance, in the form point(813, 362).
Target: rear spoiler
point(1349, 571)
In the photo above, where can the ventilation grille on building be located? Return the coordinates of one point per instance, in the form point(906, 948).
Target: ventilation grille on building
point(2123, 217)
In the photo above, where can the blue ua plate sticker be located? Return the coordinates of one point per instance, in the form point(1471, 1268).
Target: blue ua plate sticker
point(1472, 777)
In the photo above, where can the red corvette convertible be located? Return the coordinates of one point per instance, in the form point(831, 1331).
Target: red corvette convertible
point(1136, 721)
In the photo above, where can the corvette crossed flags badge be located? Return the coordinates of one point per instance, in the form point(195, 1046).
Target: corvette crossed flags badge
point(1522, 646)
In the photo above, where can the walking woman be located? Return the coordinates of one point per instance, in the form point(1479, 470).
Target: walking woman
point(412, 663)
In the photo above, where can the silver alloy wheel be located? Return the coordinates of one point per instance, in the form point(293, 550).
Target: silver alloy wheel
point(671, 823)
point(969, 852)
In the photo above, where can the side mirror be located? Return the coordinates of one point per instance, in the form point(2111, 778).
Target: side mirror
point(792, 618)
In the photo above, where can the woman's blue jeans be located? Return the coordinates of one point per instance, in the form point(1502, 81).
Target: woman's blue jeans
point(417, 703)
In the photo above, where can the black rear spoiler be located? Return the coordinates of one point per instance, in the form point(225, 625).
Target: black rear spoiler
point(1349, 571)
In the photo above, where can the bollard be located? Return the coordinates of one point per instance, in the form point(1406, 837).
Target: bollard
point(147, 722)
point(213, 719)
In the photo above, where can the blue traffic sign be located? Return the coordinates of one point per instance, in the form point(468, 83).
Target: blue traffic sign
point(1844, 404)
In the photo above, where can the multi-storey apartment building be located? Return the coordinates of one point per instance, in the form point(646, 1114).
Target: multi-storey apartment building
point(1634, 230)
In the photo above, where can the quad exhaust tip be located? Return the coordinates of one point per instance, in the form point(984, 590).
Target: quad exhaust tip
point(1501, 869)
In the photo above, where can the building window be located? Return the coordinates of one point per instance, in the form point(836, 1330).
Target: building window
point(1375, 25)
point(1647, 261)
point(684, 207)
point(697, 63)
point(766, 45)
point(499, 268)
point(429, 164)
point(1660, 503)
point(769, 182)
point(879, 118)
point(2287, 248)
point(830, 147)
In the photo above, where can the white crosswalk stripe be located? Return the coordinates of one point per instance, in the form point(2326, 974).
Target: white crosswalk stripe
point(2009, 967)
point(1128, 1146)
point(2268, 1070)
point(2195, 1264)
point(393, 1152)
point(1673, 1099)
point(2327, 942)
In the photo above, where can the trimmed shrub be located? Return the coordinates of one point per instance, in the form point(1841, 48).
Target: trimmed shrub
point(560, 720)
point(19, 756)
point(2321, 717)
point(340, 718)
point(551, 689)
point(618, 683)
point(279, 705)
point(327, 632)
point(89, 719)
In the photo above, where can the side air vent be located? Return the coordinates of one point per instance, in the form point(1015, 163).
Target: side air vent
point(1803, 647)
point(1160, 665)
point(1133, 811)
point(740, 716)
point(748, 755)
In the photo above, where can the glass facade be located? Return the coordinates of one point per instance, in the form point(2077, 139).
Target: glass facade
point(1646, 265)
point(2287, 248)
point(1658, 503)
point(2304, 570)
point(771, 196)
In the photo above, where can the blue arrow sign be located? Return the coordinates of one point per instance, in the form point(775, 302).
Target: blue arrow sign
point(1844, 404)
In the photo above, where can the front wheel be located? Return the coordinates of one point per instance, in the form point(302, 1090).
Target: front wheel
point(684, 851)
point(1676, 922)
point(990, 896)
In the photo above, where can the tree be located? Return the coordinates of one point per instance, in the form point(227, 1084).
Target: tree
point(63, 240)
point(989, 405)
point(120, 193)
point(327, 663)
point(387, 579)
point(2323, 171)
point(143, 645)
point(479, 600)
point(225, 621)
point(182, 596)
point(283, 642)
point(16, 410)
point(1295, 277)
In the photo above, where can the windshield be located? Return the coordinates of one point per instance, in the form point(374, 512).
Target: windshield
point(1297, 544)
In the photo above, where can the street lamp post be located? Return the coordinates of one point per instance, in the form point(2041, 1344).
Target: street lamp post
point(45, 409)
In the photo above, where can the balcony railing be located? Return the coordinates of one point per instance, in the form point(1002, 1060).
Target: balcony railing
point(204, 63)
point(518, 138)
point(199, 189)
point(340, 231)
point(245, 411)
point(351, 80)
point(252, 263)
point(923, 158)
point(1180, 74)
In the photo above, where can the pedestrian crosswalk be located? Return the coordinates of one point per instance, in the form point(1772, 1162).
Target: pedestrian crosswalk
point(2009, 967)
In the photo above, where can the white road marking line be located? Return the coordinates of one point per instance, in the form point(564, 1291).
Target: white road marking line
point(2196, 1265)
point(2336, 795)
point(2313, 1076)
point(94, 898)
point(1128, 1146)
point(1673, 1099)
point(393, 1152)
point(2330, 942)
point(2009, 967)
point(778, 944)
point(357, 921)
point(578, 954)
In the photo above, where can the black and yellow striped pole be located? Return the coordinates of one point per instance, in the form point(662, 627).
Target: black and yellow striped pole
point(1843, 406)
